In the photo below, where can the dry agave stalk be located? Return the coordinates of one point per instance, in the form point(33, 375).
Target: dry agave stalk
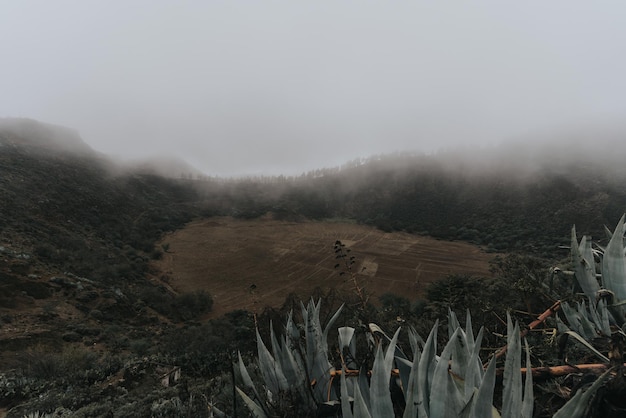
point(342, 254)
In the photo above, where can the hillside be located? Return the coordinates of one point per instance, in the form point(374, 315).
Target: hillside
point(522, 199)
point(108, 274)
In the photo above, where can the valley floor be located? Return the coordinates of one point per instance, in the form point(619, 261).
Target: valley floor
point(250, 264)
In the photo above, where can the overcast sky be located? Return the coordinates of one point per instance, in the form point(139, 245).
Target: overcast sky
point(249, 87)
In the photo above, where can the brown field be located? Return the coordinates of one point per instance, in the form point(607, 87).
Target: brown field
point(226, 257)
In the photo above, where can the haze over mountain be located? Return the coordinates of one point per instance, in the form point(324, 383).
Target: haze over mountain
point(79, 239)
point(282, 88)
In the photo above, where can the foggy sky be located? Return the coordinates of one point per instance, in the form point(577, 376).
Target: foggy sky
point(281, 87)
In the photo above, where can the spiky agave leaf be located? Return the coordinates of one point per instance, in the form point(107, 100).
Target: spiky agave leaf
point(380, 396)
point(426, 371)
point(411, 386)
point(575, 318)
point(512, 392)
point(605, 326)
point(256, 410)
point(529, 398)
point(474, 373)
point(404, 370)
point(276, 348)
point(329, 325)
point(293, 369)
point(589, 327)
point(245, 376)
point(578, 404)
point(364, 386)
point(360, 407)
point(345, 338)
point(469, 331)
point(460, 354)
point(595, 318)
point(346, 410)
point(584, 265)
point(270, 369)
point(587, 345)
point(453, 323)
point(445, 399)
point(318, 366)
point(614, 264)
point(483, 401)
point(415, 340)
point(291, 329)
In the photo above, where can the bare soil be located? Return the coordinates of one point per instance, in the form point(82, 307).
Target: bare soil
point(250, 264)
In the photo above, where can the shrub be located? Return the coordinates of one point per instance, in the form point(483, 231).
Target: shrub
point(190, 305)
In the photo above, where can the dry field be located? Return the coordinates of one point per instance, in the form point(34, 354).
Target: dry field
point(249, 264)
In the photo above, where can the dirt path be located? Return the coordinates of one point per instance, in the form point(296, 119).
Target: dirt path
point(251, 264)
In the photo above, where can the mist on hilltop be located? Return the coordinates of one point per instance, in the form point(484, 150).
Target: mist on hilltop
point(286, 88)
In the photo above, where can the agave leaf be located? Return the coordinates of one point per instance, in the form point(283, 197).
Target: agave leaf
point(404, 369)
point(466, 412)
point(588, 345)
point(291, 330)
point(364, 387)
point(483, 401)
point(345, 336)
point(317, 362)
point(529, 398)
point(309, 335)
point(469, 332)
point(595, 318)
point(577, 405)
point(391, 350)
point(293, 370)
point(247, 381)
point(276, 350)
point(256, 410)
point(614, 264)
point(270, 369)
point(453, 323)
point(426, 371)
point(380, 396)
point(346, 340)
point(360, 407)
point(588, 327)
point(244, 373)
point(346, 410)
point(411, 387)
point(574, 319)
point(460, 354)
point(512, 392)
point(604, 318)
point(584, 265)
point(445, 399)
point(330, 323)
point(415, 340)
point(474, 372)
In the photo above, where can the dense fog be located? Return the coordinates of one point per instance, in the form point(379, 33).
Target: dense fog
point(283, 88)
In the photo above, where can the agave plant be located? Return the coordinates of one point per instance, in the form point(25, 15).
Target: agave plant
point(289, 371)
point(605, 292)
point(609, 293)
point(452, 384)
